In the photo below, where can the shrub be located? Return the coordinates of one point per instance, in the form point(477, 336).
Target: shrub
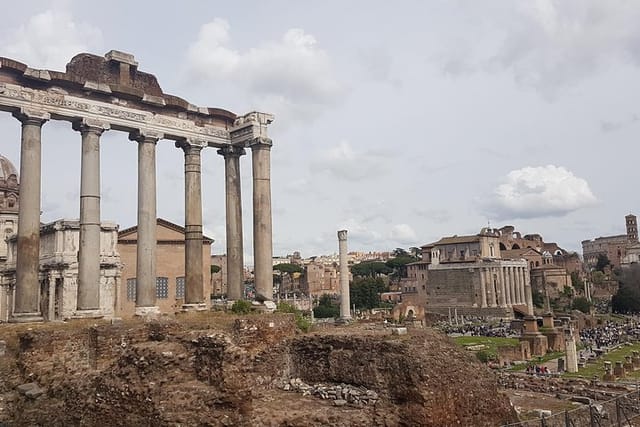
point(486, 356)
point(302, 322)
point(241, 307)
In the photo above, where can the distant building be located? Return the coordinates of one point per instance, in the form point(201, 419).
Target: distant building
point(9, 201)
point(614, 247)
point(219, 279)
point(170, 280)
point(58, 275)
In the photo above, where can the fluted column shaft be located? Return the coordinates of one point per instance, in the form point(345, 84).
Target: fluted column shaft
point(89, 250)
point(523, 293)
point(26, 300)
point(147, 240)
point(513, 286)
point(492, 288)
point(262, 228)
point(503, 292)
point(194, 289)
point(483, 289)
point(528, 293)
point(235, 251)
point(345, 298)
point(508, 284)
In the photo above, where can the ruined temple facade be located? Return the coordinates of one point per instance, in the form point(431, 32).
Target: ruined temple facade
point(97, 94)
point(9, 202)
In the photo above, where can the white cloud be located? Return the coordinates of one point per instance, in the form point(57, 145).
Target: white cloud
point(547, 44)
point(403, 233)
point(344, 163)
point(50, 39)
point(291, 75)
point(540, 192)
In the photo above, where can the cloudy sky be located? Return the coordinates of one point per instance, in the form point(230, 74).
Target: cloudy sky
point(399, 121)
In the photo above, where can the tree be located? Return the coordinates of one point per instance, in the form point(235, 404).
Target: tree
point(365, 292)
point(582, 304)
point(288, 268)
point(416, 252)
point(603, 261)
point(597, 277)
point(326, 308)
point(399, 252)
point(399, 265)
point(576, 281)
point(370, 269)
point(627, 299)
point(537, 298)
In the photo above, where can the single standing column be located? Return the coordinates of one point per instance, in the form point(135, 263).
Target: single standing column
point(527, 290)
point(483, 289)
point(194, 289)
point(89, 250)
point(523, 292)
point(514, 278)
point(492, 288)
point(235, 256)
point(345, 302)
point(262, 243)
point(502, 301)
point(147, 240)
point(509, 281)
point(26, 300)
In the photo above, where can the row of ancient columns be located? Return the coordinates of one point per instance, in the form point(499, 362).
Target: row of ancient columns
point(88, 298)
point(504, 286)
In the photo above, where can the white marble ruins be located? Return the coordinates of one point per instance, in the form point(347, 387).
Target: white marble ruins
point(99, 94)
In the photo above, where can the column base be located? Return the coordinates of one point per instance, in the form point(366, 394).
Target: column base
point(194, 307)
point(344, 320)
point(26, 318)
point(93, 313)
point(153, 311)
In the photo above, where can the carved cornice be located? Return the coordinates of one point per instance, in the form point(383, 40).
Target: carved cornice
point(250, 126)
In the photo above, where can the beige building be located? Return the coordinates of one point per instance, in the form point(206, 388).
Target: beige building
point(320, 278)
point(219, 279)
point(614, 247)
point(58, 271)
point(469, 274)
point(170, 268)
point(9, 199)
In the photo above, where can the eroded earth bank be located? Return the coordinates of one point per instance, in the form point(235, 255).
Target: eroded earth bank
point(250, 371)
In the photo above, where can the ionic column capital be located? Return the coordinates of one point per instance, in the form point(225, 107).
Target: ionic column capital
point(188, 147)
point(232, 151)
point(260, 143)
point(29, 116)
point(342, 235)
point(90, 126)
point(143, 135)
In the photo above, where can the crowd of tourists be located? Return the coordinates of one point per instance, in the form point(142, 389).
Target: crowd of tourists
point(478, 330)
point(609, 334)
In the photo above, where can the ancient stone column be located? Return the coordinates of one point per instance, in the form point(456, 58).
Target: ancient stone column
point(514, 285)
point(503, 291)
point(235, 256)
point(262, 241)
point(147, 240)
point(509, 287)
point(527, 290)
point(492, 288)
point(193, 289)
point(517, 284)
point(523, 292)
point(570, 349)
point(483, 289)
point(26, 300)
point(89, 250)
point(345, 301)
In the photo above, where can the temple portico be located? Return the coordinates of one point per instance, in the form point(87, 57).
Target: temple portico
point(97, 94)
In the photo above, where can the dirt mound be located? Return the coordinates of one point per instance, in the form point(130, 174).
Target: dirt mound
point(238, 373)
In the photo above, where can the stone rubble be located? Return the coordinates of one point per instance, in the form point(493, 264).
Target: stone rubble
point(341, 393)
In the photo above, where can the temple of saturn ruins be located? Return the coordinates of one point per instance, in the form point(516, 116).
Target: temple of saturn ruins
point(98, 94)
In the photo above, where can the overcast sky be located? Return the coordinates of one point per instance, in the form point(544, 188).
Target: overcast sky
point(399, 121)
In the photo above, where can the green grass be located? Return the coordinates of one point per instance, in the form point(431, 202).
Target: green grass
point(490, 344)
point(597, 367)
point(538, 360)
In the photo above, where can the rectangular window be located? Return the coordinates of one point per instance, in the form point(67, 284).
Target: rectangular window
point(179, 287)
point(162, 287)
point(131, 289)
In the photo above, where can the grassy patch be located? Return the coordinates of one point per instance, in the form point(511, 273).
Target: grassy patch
point(485, 348)
point(539, 360)
point(597, 367)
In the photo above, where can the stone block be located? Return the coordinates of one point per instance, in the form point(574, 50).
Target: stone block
point(3, 348)
point(34, 392)
point(23, 388)
point(398, 331)
point(339, 402)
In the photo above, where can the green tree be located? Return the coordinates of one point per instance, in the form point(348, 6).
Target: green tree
point(288, 268)
point(597, 277)
point(241, 307)
point(370, 269)
point(602, 263)
point(537, 298)
point(627, 299)
point(399, 265)
point(416, 252)
point(326, 308)
point(582, 304)
point(576, 281)
point(399, 252)
point(365, 292)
